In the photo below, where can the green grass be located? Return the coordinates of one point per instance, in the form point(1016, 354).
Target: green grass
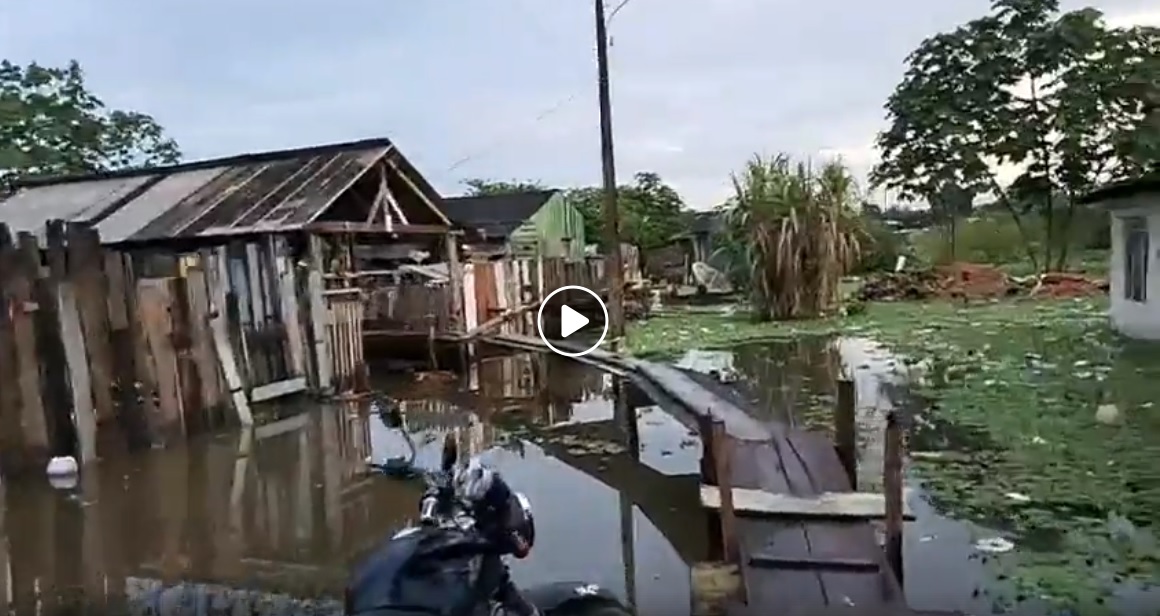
point(1026, 378)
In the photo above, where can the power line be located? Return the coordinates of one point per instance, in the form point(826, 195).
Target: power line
point(542, 31)
point(505, 135)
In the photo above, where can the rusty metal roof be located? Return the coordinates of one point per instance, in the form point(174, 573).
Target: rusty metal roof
point(254, 193)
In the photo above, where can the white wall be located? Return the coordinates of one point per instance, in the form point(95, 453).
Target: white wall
point(1136, 319)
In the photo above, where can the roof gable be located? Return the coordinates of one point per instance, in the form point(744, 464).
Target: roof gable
point(251, 193)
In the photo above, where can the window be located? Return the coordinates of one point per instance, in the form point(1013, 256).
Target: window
point(1136, 251)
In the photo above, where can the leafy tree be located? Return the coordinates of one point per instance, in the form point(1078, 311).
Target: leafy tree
point(651, 211)
point(51, 124)
point(1059, 96)
point(589, 200)
point(477, 187)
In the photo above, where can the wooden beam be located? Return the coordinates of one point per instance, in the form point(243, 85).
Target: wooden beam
point(758, 503)
point(278, 389)
point(498, 320)
point(344, 227)
point(810, 563)
point(418, 191)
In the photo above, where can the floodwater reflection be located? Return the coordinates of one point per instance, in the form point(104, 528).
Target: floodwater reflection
point(286, 507)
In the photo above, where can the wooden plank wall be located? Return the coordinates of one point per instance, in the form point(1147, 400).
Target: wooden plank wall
point(344, 331)
point(406, 306)
point(95, 356)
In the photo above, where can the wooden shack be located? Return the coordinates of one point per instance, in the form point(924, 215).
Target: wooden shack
point(229, 281)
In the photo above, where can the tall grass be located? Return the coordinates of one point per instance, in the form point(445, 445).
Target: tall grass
point(797, 232)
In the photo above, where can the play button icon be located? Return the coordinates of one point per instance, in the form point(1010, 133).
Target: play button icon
point(569, 319)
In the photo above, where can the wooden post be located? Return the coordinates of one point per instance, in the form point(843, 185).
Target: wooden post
point(322, 376)
point(10, 410)
point(455, 282)
point(90, 288)
point(892, 488)
point(709, 477)
point(845, 430)
point(183, 320)
point(723, 463)
point(708, 455)
point(154, 310)
point(36, 309)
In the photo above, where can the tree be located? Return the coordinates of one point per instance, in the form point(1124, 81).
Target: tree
point(651, 211)
point(51, 124)
point(589, 200)
point(1051, 94)
point(477, 187)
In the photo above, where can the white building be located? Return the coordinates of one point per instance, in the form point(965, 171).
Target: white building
point(1134, 271)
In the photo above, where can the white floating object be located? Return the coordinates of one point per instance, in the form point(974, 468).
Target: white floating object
point(1107, 414)
point(1019, 498)
point(63, 482)
point(62, 466)
point(994, 545)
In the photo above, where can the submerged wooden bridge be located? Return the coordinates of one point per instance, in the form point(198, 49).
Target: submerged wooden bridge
point(787, 517)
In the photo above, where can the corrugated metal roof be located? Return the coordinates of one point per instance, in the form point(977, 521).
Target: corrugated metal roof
point(275, 191)
point(28, 209)
point(496, 215)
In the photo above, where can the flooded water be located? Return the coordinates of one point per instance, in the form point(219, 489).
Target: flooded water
point(946, 559)
point(287, 507)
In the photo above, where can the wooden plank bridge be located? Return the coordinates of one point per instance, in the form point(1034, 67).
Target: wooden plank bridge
point(789, 521)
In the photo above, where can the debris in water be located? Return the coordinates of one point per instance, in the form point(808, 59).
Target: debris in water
point(713, 585)
point(1107, 414)
point(994, 545)
point(1017, 497)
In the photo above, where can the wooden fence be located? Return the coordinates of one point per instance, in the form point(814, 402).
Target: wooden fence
point(494, 288)
point(105, 348)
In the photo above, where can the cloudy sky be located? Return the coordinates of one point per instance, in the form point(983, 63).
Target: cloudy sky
point(504, 88)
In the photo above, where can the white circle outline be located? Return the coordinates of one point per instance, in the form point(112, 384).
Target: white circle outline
point(540, 321)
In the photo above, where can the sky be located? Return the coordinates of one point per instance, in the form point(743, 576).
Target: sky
point(506, 89)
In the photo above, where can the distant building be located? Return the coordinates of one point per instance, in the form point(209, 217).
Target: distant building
point(1134, 273)
point(539, 223)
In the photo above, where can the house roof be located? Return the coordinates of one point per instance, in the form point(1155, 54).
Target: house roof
point(252, 193)
point(1149, 182)
point(495, 215)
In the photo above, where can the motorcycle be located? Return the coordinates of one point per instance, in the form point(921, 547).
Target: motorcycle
point(444, 566)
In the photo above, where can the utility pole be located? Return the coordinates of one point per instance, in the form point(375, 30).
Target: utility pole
point(613, 262)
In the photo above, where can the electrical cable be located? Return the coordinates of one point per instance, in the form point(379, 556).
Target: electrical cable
point(547, 112)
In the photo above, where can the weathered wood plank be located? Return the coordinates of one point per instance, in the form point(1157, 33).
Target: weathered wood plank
point(201, 339)
point(181, 319)
point(81, 385)
point(229, 367)
point(90, 291)
point(10, 436)
point(22, 288)
point(771, 561)
point(154, 301)
point(278, 389)
point(323, 371)
point(833, 505)
point(288, 296)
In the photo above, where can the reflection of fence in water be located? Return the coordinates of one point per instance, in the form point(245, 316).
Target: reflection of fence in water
point(282, 507)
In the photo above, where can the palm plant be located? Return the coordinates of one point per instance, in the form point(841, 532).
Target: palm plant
point(798, 233)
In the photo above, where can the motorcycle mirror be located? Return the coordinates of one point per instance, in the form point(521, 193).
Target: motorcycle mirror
point(450, 452)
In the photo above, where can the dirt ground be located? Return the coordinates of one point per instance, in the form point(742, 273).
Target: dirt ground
point(969, 281)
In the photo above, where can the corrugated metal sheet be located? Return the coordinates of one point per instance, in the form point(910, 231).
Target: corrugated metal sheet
point(29, 208)
point(258, 193)
point(134, 215)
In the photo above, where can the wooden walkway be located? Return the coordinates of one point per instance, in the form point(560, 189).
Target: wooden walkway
point(792, 561)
